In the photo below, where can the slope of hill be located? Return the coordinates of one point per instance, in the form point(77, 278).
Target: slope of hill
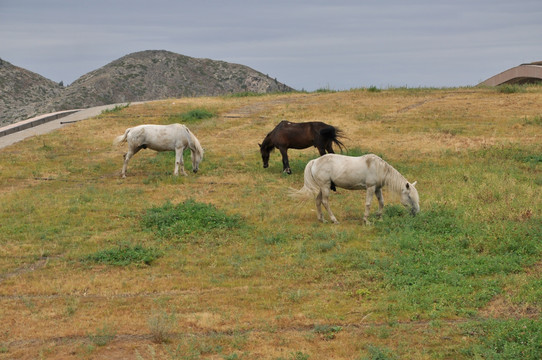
point(223, 264)
point(145, 75)
point(23, 92)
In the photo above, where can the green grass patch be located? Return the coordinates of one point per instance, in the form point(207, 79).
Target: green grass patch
point(116, 109)
point(533, 120)
point(440, 263)
point(506, 339)
point(356, 152)
point(169, 220)
point(380, 353)
point(192, 116)
point(511, 88)
point(124, 255)
point(327, 332)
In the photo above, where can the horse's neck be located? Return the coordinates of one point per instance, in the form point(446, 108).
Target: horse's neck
point(193, 143)
point(267, 144)
point(393, 178)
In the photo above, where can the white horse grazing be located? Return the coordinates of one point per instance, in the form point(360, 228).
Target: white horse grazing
point(162, 138)
point(355, 173)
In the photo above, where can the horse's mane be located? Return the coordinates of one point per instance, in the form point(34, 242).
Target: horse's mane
point(267, 144)
point(194, 142)
point(391, 178)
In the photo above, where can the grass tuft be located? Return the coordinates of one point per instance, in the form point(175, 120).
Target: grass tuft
point(192, 116)
point(169, 221)
point(124, 255)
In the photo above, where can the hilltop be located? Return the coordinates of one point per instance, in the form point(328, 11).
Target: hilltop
point(140, 76)
point(23, 92)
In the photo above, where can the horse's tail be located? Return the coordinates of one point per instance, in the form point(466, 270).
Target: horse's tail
point(331, 133)
point(122, 138)
point(310, 187)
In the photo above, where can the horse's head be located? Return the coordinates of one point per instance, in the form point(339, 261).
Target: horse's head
point(410, 198)
point(197, 156)
point(265, 155)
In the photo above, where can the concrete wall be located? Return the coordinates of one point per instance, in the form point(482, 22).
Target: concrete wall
point(38, 120)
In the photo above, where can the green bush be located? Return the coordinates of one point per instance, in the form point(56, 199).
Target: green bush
point(170, 220)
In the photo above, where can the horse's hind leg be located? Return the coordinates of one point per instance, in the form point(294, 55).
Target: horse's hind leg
point(319, 214)
point(127, 157)
point(131, 152)
point(322, 149)
point(329, 147)
point(285, 163)
point(179, 161)
point(325, 201)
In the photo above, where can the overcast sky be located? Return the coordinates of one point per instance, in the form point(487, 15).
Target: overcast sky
point(306, 44)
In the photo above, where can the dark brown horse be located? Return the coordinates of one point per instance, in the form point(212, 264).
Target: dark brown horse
point(299, 136)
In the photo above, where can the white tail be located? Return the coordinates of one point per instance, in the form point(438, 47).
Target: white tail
point(310, 188)
point(122, 138)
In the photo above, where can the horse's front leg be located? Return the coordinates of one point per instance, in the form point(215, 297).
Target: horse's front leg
point(378, 193)
point(285, 163)
point(368, 199)
point(179, 162)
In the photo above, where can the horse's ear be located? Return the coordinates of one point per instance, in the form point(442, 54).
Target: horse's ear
point(260, 145)
point(414, 183)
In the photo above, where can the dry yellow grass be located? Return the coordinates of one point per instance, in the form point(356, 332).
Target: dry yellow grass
point(234, 295)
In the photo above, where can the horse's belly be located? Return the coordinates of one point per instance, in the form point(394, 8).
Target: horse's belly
point(349, 185)
point(160, 148)
point(352, 187)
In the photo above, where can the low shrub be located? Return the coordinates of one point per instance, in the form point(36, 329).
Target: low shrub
point(170, 220)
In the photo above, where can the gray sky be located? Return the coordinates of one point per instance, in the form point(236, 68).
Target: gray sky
point(306, 44)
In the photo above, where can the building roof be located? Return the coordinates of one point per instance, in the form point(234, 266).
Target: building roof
point(524, 73)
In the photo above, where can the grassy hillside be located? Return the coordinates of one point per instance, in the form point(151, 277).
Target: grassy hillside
point(224, 265)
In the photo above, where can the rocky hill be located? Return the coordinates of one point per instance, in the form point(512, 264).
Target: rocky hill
point(146, 75)
point(22, 92)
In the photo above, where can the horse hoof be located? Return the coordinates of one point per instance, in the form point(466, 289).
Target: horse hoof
point(288, 171)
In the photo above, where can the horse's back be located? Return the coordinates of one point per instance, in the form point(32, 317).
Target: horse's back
point(292, 135)
point(157, 137)
point(348, 172)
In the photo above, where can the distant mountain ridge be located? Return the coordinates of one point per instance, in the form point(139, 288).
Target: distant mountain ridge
point(145, 75)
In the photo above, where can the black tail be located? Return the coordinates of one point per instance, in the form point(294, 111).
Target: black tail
point(332, 133)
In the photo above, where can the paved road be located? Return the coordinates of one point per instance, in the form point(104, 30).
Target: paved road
point(54, 124)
